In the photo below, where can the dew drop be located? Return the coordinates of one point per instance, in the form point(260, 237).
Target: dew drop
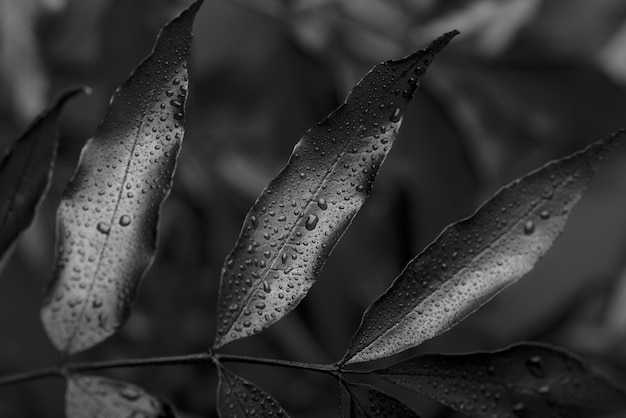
point(396, 115)
point(545, 215)
point(311, 222)
point(529, 227)
point(124, 220)
point(535, 366)
point(260, 305)
point(104, 228)
point(266, 287)
point(322, 203)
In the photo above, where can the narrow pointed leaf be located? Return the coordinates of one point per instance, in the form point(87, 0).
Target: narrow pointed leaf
point(524, 380)
point(99, 397)
point(363, 401)
point(240, 398)
point(26, 170)
point(475, 258)
point(299, 218)
point(107, 220)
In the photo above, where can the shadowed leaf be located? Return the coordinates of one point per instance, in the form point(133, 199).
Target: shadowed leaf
point(363, 401)
point(525, 380)
point(475, 258)
point(239, 398)
point(26, 170)
point(299, 218)
point(107, 220)
point(98, 397)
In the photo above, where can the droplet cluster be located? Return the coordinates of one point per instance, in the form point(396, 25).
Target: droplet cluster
point(238, 397)
point(475, 258)
point(525, 380)
point(108, 215)
point(301, 215)
point(96, 396)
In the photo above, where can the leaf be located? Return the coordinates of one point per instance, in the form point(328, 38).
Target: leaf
point(239, 398)
point(107, 220)
point(524, 380)
point(299, 218)
point(26, 170)
point(363, 401)
point(99, 397)
point(474, 259)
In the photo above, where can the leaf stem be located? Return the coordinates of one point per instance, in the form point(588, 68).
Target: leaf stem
point(198, 358)
point(51, 371)
point(331, 369)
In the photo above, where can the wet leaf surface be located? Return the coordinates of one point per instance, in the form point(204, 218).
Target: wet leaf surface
point(25, 172)
point(524, 380)
point(107, 220)
point(299, 218)
point(475, 258)
point(363, 401)
point(240, 398)
point(99, 397)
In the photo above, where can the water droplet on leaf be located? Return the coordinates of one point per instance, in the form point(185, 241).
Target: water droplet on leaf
point(311, 222)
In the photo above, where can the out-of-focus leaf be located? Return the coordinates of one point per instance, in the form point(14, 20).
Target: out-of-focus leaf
point(475, 258)
point(25, 172)
point(107, 220)
point(524, 380)
point(99, 397)
point(239, 398)
point(299, 218)
point(363, 401)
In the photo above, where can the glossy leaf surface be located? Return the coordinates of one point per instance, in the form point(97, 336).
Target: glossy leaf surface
point(26, 170)
point(363, 401)
point(475, 258)
point(525, 380)
point(107, 220)
point(299, 218)
point(240, 398)
point(99, 397)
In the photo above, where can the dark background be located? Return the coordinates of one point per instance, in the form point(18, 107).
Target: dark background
point(525, 82)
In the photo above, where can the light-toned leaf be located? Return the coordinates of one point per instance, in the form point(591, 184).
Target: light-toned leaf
point(299, 218)
point(475, 258)
point(99, 397)
point(26, 170)
point(240, 398)
point(107, 220)
point(363, 401)
point(524, 380)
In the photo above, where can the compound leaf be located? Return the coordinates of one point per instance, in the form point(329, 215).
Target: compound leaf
point(524, 380)
point(474, 259)
point(26, 170)
point(299, 218)
point(239, 398)
point(364, 401)
point(99, 397)
point(107, 220)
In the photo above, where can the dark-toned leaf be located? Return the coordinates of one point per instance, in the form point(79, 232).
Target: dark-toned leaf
point(299, 218)
point(240, 398)
point(525, 380)
point(363, 401)
point(475, 258)
point(26, 170)
point(99, 397)
point(107, 220)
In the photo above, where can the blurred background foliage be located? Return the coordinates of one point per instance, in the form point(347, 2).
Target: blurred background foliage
point(525, 82)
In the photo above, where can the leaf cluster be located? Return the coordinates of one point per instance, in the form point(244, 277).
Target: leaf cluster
point(107, 225)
